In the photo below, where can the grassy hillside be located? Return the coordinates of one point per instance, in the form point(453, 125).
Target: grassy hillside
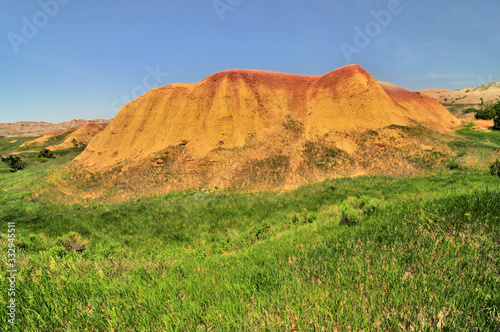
point(368, 253)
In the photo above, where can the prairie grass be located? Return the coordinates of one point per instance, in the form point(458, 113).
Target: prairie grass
point(423, 257)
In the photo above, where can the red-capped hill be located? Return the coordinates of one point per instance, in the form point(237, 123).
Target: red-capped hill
point(228, 107)
point(350, 98)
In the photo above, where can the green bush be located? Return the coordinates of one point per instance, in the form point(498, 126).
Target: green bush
point(453, 165)
point(491, 112)
point(78, 144)
point(496, 118)
point(46, 153)
point(495, 168)
point(486, 114)
point(349, 218)
point(14, 162)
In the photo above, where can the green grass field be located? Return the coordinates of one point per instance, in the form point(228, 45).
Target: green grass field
point(372, 253)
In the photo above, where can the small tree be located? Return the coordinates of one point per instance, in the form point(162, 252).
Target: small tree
point(491, 112)
point(486, 114)
point(14, 162)
point(46, 153)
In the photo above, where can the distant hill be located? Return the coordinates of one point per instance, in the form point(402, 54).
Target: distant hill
point(33, 129)
point(81, 135)
point(487, 86)
point(490, 92)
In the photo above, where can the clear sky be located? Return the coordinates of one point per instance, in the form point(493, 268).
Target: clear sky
point(66, 59)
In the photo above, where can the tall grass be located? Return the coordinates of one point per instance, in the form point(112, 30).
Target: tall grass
point(193, 261)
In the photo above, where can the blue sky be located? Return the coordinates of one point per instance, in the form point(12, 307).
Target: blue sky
point(66, 59)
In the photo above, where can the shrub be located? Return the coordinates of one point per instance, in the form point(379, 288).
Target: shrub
point(486, 114)
point(46, 153)
point(491, 112)
point(14, 162)
point(496, 118)
point(453, 165)
point(495, 168)
point(78, 144)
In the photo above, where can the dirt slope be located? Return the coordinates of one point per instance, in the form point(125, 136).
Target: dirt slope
point(227, 109)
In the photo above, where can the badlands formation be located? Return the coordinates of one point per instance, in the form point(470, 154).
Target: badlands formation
point(227, 110)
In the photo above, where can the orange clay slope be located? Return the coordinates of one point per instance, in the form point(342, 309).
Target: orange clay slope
point(228, 107)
